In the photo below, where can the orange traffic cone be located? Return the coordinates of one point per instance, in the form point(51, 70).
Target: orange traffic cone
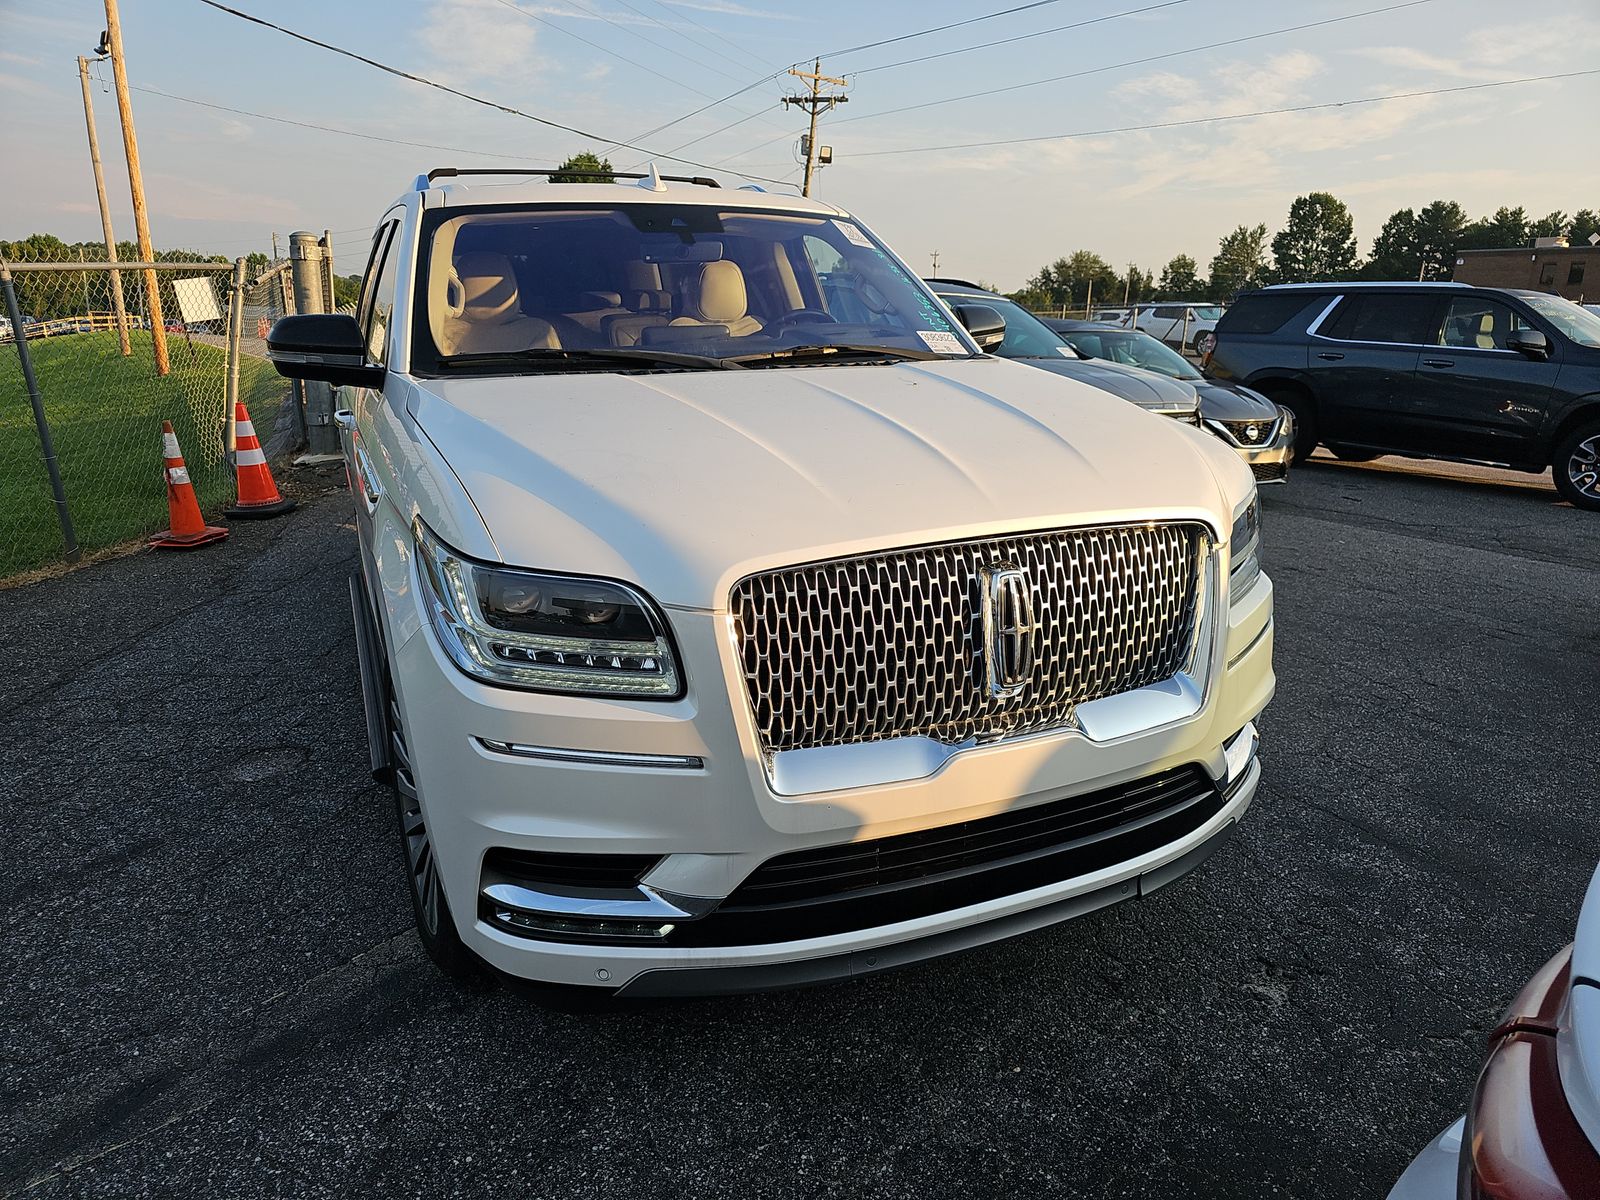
point(258, 495)
point(189, 529)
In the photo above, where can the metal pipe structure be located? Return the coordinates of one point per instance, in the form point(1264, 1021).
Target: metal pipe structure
point(68, 535)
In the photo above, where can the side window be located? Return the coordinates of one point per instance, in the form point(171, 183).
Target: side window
point(1395, 319)
point(374, 258)
point(1169, 314)
point(1476, 324)
point(380, 308)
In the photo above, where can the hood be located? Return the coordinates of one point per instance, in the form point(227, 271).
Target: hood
point(1158, 393)
point(1233, 402)
point(684, 482)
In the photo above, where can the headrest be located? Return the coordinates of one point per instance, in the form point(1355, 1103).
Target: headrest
point(1486, 332)
point(593, 300)
point(651, 301)
point(488, 286)
point(721, 296)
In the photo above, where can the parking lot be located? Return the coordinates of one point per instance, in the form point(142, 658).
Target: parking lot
point(213, 988)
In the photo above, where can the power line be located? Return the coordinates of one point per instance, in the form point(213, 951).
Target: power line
point(707, 107)
point(371, 137)
point(651, 41)
point(505, 108)
point(906, 37)
point(545, 21)
point(1021, 37)
point(734, 46)
point(1264, 112)
point(1134, 62)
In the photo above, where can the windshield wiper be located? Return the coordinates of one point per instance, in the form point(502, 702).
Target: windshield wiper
point(825, 352)
point(594, 357)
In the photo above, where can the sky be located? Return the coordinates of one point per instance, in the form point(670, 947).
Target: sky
point(224, 181)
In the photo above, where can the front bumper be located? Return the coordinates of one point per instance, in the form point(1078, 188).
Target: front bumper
point(1268, 461)
point(683, 784)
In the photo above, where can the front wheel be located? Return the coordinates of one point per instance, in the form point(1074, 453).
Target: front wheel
point(1577, 466)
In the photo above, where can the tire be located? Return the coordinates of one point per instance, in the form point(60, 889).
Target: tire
point(1205, 342)
point(1305, 419)
point(1355, 454)
point(436, 926)
point(1576, 466)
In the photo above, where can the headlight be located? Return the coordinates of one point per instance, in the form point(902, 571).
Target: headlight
point(1244, 550)
point(543, 632)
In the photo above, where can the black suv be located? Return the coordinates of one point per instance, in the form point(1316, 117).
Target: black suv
point(1428, 370)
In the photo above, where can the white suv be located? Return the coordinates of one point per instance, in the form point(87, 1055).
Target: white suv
point(1183, 325)
point(727, 619)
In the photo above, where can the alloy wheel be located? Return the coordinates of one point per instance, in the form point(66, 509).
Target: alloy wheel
point(424, 868)
point(1583, 466)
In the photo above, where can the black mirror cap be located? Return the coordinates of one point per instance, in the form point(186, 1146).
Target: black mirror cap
point(1531, 342)
point(987, 327)
point(326, 347)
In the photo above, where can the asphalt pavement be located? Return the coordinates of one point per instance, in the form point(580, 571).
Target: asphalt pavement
point(211, 986)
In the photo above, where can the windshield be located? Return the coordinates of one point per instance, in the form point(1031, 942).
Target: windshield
point(529, 288)
point(1133, 350)
point(1573, 320)
point(1026, 335)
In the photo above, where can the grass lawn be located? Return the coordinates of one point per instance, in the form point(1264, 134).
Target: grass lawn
point(105, 413)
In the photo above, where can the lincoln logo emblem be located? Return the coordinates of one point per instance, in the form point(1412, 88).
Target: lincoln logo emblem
point(1010, 630)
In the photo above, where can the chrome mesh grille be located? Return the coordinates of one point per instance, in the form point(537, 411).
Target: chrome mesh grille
point(1251, 433)
point(891, 645)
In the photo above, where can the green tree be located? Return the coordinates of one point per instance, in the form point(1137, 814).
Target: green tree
point(1067, 280)
point(254, 264)
point(1506, 230)
point(1439, 227)
point(1179, 278)
point(1141, 285)
point(584, 168)
point(1240, 262)
point(1395, 254)
point(1317, 243)
point(1554, 224)
point(1584, 222)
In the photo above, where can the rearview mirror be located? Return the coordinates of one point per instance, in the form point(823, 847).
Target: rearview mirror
point(987, 327)
point(327, 347)
point(1530, 342)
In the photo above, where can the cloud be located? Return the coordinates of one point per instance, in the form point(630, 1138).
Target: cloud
point(480, 39)
point(728, 8)
point(1485, 54)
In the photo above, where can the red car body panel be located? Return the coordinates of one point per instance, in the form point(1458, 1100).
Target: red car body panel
point(1521, 1140)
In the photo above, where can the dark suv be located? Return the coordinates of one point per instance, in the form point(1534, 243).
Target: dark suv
point(1428, 370)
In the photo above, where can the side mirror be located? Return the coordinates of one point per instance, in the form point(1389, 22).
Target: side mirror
point(327, 347)
point(987, 327)
point(1531, 342)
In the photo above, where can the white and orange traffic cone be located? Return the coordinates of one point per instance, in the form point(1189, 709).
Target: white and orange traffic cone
point(258, 495)
point(188, 528)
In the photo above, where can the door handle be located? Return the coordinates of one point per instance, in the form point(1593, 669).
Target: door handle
point(371, 489)
point(1330, 356)
point(1438, 362)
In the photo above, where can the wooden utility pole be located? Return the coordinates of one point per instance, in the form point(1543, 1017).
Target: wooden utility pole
point(814, 102)
point(935, 257)
point(105, 211)
point(141, 216)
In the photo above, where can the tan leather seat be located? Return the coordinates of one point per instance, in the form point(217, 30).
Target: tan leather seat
point(482, 315)
point(1486, 339)
point(718, 297)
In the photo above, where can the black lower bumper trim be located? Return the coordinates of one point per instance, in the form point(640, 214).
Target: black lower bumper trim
point(761, 977)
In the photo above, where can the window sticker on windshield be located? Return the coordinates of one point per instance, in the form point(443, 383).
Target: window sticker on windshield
point(853, 234)
point(941, 343)
point(1066, 352)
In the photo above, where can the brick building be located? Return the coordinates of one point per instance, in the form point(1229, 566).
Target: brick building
point(1544, 268)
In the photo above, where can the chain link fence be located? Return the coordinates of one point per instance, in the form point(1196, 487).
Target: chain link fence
point(108, 376)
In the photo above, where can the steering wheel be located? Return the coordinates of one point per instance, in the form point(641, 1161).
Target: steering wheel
point(808, 315)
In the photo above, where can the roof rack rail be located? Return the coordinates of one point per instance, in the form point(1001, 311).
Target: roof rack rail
point(452, 172)
point(951, 279)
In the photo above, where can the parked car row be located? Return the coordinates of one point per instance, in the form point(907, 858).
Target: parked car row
point(1137, 367)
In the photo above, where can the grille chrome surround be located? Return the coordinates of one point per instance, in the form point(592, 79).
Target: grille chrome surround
point(891, 645)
